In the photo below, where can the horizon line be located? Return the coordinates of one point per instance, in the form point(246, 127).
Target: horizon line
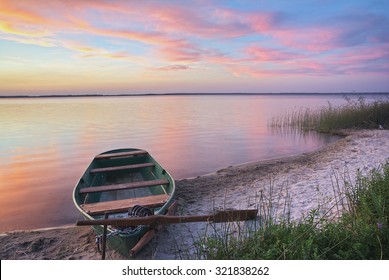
point(187, 94)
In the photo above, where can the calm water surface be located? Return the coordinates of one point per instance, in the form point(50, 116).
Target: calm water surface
point(47, 143)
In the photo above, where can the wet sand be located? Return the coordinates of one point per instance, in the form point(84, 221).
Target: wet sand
point(297, 184)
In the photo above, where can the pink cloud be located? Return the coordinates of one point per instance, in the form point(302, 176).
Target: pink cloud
point(364, 59)
point(180, 51)
point(315, 39)
point(254, 71)
point(167, 27)
point(262, 23)
point(261, 54)
point(185, 32)
point(172, 68)
point(203, 21)
point(358, 60)
point(163, 21)
point(363, 54)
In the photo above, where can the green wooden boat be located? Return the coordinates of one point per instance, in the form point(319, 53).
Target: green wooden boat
point(122, 183)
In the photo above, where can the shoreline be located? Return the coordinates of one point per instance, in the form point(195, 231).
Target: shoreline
point(301, 180)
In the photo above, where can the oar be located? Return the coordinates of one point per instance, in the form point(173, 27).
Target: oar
point(222, 216)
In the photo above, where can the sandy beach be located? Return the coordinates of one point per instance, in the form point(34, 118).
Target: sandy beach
point(302, 182)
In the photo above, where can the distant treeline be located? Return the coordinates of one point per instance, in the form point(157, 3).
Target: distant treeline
point(180, 94)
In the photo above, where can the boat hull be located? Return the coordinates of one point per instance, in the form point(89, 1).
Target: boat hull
point(114, 182)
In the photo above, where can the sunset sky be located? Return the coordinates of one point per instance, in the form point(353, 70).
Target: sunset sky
point(116, 47)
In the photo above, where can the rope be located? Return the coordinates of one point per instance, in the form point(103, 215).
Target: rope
point(136, 211)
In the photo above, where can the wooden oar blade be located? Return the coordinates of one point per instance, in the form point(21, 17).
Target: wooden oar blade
point(222, 216)
point(234, 215)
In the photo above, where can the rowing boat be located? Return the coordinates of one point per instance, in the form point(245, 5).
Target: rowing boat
point(122, 183)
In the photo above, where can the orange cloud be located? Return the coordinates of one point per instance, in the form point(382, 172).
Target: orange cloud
point(15, 10)
point(18, 20)
point(15, 29)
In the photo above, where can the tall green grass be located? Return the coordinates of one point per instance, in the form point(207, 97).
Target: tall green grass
point(354, 114)
point(361, 232)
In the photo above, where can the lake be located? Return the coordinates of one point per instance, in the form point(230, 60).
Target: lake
point(47, 143)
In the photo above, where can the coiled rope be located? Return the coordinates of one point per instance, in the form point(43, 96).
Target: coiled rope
point(136, 211)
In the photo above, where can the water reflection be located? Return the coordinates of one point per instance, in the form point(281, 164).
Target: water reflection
point(46, 144)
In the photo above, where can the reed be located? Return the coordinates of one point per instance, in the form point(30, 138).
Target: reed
point(355, 114)
point(361, 231)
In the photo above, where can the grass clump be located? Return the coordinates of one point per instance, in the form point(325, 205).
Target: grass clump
point(355, 114)
point(362, 232)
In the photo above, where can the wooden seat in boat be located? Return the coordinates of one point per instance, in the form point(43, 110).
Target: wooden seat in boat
point(132, 185)
point(124, 204)
point(122, 167)
point(122, 154)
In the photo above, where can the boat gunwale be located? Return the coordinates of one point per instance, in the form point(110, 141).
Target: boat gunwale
point(163, 208)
